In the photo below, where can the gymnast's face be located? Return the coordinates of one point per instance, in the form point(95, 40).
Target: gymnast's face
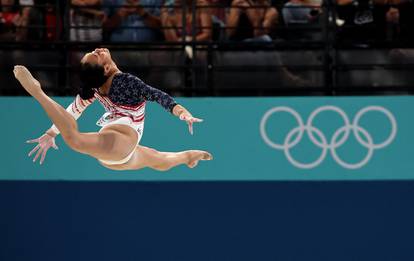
point(100, 56)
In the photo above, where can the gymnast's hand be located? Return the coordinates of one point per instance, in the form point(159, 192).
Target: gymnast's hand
point(44, 143)
point(186, 116)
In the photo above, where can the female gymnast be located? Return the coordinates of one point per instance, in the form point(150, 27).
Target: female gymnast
point(116, 145)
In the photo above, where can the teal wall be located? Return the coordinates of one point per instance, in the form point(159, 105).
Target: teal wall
point(231, 131)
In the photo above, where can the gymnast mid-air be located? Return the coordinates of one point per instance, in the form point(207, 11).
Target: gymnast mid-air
point(116, 145)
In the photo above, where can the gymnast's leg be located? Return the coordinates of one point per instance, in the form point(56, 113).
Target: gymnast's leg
point(162, 161)
point(111, 144)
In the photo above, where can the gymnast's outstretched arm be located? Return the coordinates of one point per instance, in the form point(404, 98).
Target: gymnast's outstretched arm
point(47, 140)
point(75, 109)
point(150, 93)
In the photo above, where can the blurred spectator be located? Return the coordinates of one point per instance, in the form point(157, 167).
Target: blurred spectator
point(53, 22)
point(251, 19)
point(400, 20)
point(132, 13)
point(393, 22)
point(300, 15)
point(218, 15)
point(401, 16)
point(30, 25)
point(218, 9)
point(21, 21)
point(301, 11)
point(364, 20)
point(86, 13)
point(183, 12)
point(8, 16)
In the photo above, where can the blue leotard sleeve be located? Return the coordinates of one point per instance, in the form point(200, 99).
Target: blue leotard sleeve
point(150, 93)
point(127, 89)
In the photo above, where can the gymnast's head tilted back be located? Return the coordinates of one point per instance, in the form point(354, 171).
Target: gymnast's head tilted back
point(95, 69)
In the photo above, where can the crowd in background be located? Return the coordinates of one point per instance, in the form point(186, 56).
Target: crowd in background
point(289, 25)
point(200, 20)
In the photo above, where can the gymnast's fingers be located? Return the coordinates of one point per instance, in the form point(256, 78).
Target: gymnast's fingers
point(37, 155)
point(43, 157)
point(32, 141)
point(33, 150)
point(190, 127)
point(196, 120)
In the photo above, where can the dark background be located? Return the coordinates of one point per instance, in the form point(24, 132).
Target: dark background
point(206, 221)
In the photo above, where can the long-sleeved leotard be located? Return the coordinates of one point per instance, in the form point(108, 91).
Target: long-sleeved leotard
point(126, 98)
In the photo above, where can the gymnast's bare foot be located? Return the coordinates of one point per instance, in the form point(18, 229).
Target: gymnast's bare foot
point(196, 155)
point(26, 79)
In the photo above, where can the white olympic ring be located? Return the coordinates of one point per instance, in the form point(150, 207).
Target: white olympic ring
point(322, 142)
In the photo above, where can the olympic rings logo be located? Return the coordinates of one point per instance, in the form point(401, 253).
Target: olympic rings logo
point(318, 138)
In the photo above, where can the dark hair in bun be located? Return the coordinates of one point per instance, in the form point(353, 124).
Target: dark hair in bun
point(92, 76)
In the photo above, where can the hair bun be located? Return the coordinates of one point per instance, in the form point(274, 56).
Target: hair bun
point(91, 77)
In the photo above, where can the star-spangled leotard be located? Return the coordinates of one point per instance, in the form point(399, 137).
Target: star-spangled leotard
point(126, 98)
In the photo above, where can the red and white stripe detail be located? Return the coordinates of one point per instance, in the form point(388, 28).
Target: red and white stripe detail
point(135, 113)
